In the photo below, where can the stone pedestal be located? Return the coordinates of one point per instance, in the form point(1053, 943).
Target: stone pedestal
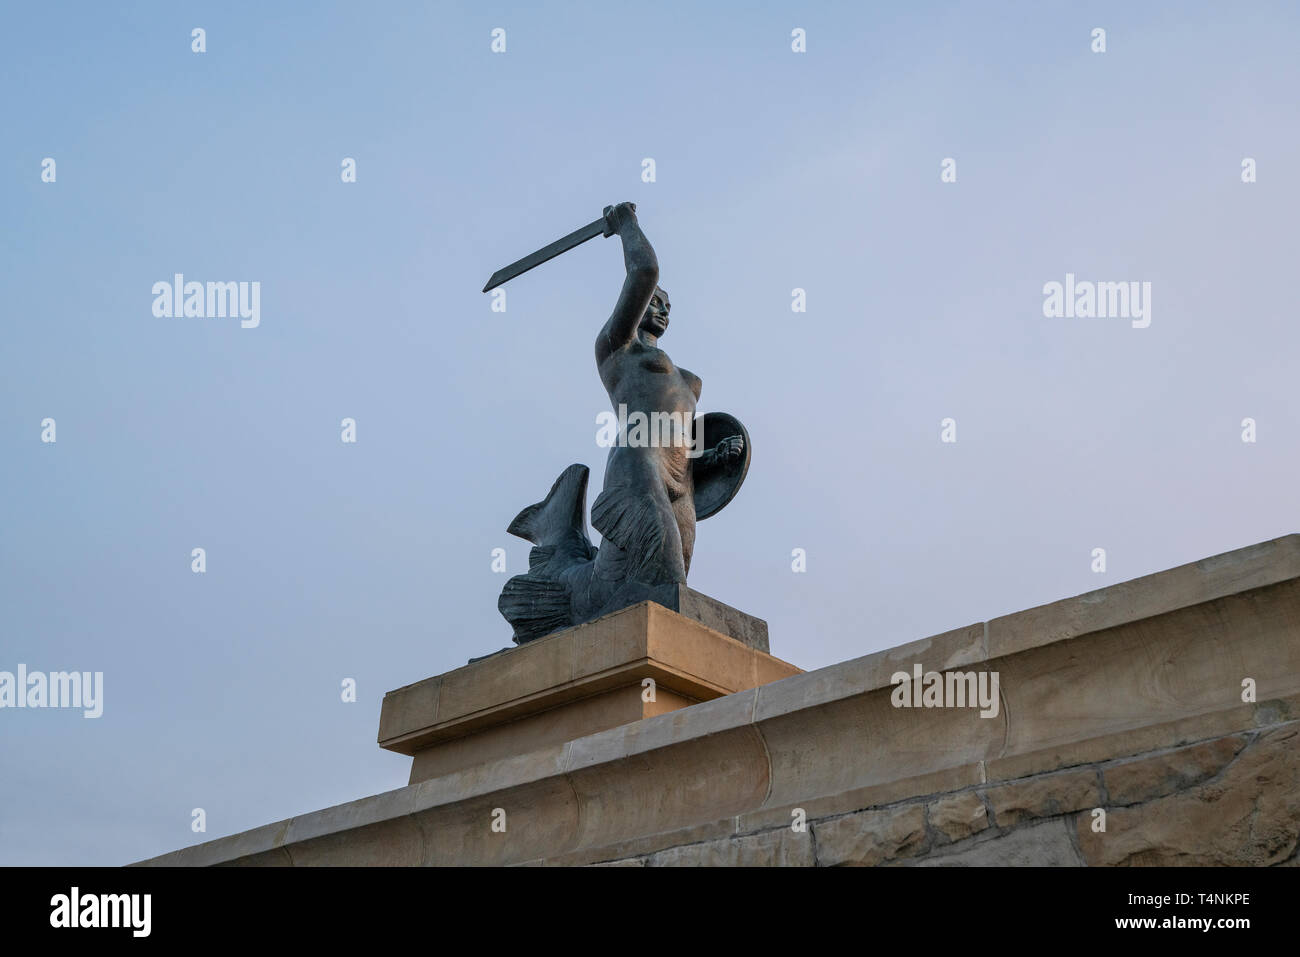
point(636, 663)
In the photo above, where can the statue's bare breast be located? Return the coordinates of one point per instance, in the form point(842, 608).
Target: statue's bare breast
point(645, 379)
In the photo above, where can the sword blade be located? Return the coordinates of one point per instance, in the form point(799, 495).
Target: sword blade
point(519, 267)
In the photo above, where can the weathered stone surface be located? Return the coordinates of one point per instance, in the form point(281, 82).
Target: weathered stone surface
point(872, 837)
point(640, 848)
point(346, 817)
point(266, 840)
point(1142, 779)
point(538, 817)
point(1045, 844)
point(1256, 566)
point(1152, 671)
point(864, 740)
point(1156, 736)
point(395, 843)
point(958, 816)
point(1249, 814)
point(950, 650)
point(1044, 796)
point(779, 848)
point(878, 795)
point(702, 779)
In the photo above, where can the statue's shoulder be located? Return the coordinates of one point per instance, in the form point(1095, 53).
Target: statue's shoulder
point(606, 350)
point(692, 380)
point(604, 346)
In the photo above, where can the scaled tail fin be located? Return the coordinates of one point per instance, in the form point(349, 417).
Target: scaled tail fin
point(535, 606)
point(558, 522)
point(539, 602)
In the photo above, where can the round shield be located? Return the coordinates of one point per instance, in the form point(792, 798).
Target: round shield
point(717, 486)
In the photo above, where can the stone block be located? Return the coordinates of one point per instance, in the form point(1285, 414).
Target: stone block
point(1144, 778)
point(1246, 815)
point(872, 837)
point(958, 816)
point(1044, 796)
point(1045, 844)
point(781, 848)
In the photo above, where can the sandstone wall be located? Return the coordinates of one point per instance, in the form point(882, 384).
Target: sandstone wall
point(1127, 701)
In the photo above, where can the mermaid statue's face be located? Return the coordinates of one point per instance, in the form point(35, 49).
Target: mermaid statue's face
point(655, 320)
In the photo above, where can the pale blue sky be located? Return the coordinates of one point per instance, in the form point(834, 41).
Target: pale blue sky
point(775, 170)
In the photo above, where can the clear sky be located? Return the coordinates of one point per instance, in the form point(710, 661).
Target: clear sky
point(775, 170)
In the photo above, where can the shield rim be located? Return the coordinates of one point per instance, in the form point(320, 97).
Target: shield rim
point(744, 466)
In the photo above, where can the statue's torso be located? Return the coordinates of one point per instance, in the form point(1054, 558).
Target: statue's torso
point(643, 378)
